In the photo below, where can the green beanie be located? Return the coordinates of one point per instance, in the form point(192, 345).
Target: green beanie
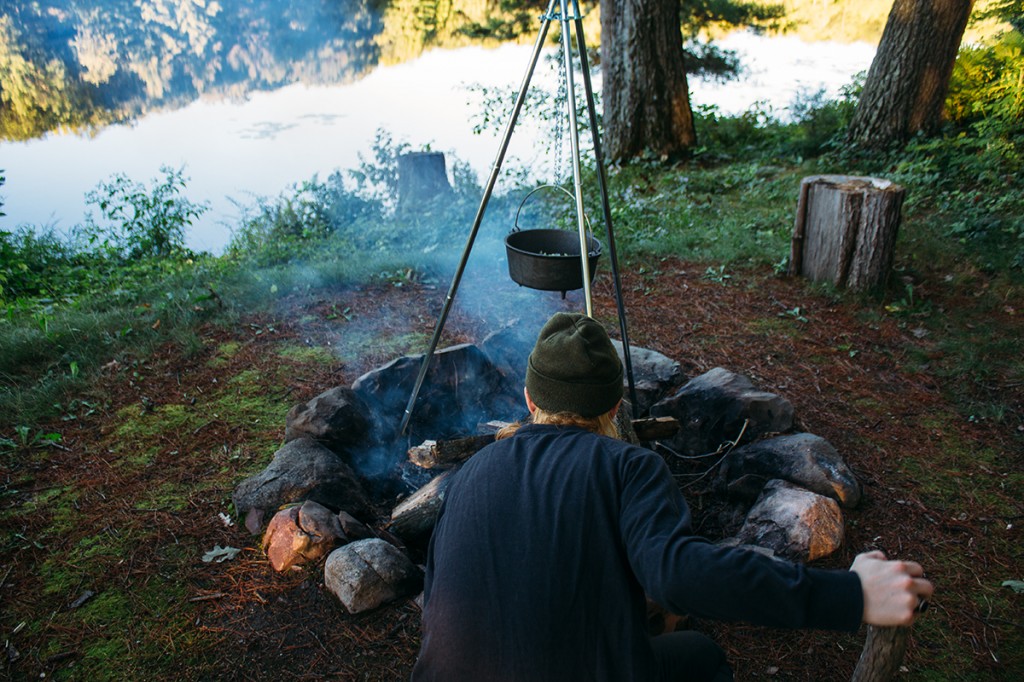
point(574, 367)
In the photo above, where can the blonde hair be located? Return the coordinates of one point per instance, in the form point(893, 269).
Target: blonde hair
point(603, 424)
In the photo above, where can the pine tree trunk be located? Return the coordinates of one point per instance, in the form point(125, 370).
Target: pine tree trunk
point(646, 96)
point(845, 230)
point(906, 87)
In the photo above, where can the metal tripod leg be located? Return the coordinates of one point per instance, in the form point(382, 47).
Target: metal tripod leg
point(574, 141)
point(488, 190)
point(602, 184)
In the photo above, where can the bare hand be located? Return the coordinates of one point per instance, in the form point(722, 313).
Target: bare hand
point(892, 589)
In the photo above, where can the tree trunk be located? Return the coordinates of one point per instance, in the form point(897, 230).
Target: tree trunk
point(845, 230)
point(646, 97)
point(905, 91)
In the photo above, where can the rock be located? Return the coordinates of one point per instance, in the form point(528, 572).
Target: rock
point(365, 574)
point(794, 523)
point(301, 534)
point(302, 470)
point(508, 350)
point(712, 408)
point(458, 392)
point(254, 520)
point(654, 375)
point(353, 528)
point(802, 458)
point(338, 418)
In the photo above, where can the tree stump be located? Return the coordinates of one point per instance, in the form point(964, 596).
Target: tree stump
point(845, 231)
point(421, 177)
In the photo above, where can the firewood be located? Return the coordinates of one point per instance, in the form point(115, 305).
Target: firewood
point(431, 454)
point(655, 428)
point(414, 517)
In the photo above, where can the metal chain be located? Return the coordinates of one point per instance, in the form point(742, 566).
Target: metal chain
point(561, 97)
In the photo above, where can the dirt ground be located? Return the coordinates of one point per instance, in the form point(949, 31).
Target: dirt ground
point(939, 487)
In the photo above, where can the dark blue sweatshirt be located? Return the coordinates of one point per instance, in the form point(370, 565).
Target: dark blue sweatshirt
point(546, 545)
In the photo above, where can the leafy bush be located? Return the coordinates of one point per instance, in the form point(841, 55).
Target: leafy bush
point(352, 214)
point(986, 83)
point(140, 222)
point(143, 239)
point(35, 264)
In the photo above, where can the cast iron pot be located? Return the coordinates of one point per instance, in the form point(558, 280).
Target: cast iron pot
point(549, 259)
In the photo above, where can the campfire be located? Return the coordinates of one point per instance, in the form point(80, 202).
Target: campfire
point(350, 486)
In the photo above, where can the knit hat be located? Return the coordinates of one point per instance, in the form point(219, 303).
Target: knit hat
point(574, 367)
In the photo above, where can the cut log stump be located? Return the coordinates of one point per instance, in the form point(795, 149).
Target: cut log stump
point(421, 177)
point(845, 230)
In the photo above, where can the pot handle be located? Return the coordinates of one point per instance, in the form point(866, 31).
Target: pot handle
point(516, 228)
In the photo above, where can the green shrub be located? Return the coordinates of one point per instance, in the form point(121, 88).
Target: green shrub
point(140, 222)
point(987, 84)
point(36, 264)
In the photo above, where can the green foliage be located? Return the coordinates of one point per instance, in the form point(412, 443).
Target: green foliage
point(37, 264)
point(352, 215)
point(987, 83)
point(973, 179)
point(141, 222)
point(275, 230)
point(815, 124)
point(142, 238)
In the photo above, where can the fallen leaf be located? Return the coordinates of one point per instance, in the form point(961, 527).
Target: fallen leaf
point(1015, 585)
point(220, 554)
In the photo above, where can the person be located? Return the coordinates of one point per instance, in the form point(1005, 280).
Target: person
point(549, 542)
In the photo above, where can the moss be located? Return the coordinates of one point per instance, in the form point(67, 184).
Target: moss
point(224, 353)
point(308, 355)
point(772, 326)
point(361, 343)
point(168, 496)
point(140, 424)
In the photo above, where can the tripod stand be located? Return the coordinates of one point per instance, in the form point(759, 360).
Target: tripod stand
point(567, 25)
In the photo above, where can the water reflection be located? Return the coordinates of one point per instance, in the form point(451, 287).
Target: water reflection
point(251, 103)
point(84, 65)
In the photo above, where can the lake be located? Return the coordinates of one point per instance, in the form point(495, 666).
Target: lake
point(233, 149)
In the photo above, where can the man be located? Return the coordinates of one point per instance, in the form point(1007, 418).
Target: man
point(549, 540)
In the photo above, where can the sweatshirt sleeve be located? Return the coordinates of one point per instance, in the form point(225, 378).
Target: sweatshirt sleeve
point(688, 574)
